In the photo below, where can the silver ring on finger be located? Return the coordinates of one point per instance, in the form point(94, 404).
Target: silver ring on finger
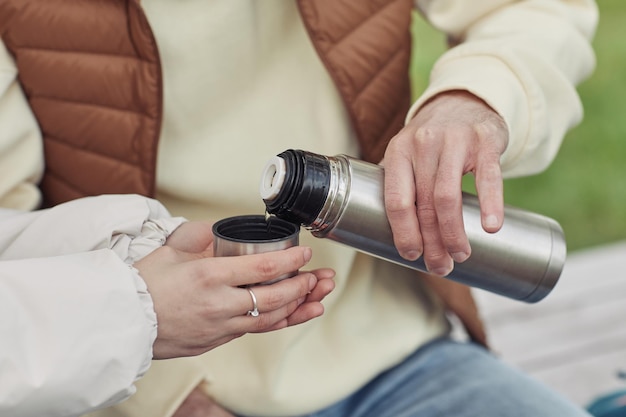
point(255, 311)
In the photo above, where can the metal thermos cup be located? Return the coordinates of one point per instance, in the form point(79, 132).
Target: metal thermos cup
point(250, 234)
point(341, 198)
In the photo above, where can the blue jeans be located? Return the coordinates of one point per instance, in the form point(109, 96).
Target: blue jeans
point(451, 379)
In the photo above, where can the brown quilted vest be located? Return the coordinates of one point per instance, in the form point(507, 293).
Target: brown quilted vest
point(91, 72)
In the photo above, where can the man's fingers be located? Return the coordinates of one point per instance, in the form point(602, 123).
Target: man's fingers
point(448, 199)
point(429, 143)
point(489, 188)
point(399, 186)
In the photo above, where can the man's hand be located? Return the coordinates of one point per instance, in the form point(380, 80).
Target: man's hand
point(455, 133)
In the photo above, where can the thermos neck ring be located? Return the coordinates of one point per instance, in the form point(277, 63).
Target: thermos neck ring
point(297, 190)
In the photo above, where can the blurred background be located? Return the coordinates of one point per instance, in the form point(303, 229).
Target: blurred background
point(575, 339)
point(585, 188)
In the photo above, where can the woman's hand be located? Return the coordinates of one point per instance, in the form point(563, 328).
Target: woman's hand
point(200, 301)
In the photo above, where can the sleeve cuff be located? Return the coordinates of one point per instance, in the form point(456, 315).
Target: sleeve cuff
point(145, 300)
point(153, 235)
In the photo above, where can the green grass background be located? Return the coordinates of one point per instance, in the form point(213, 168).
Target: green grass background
point(585, 187)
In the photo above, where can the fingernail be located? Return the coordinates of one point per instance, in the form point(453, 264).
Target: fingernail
point(459, 256)
point(312, 282)
point(308, 254)
point(442, 270)
point(491, 221)
point(412, 255)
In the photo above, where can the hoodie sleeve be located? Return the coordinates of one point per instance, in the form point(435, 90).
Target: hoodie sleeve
point(21, 144)
point(523, 58)
point(78, 322)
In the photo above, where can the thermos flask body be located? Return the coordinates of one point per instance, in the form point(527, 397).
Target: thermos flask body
point(341, 198)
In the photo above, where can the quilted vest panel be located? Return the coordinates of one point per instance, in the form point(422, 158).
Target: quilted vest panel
point(366, 46)
point(90, 71)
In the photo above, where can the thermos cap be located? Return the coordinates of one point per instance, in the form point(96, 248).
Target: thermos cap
point(273, 178)
point(295, 185)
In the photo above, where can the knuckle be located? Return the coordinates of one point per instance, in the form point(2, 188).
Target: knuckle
point(445, 198)
point(428, 137)
point(397, 204)
point(427, 215)
point(494, 131)
point(198, 275)
point(403, 241)
point(426, 134)
point(275, 299)
point(211, 310)
point(453, 241)
point(263, 321)
point(267, 268)
point(436, 259)
point(491, 172)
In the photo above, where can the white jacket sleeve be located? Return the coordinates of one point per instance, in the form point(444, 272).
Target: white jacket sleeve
point(77, 321)
point(524, 58)
point(21, 145)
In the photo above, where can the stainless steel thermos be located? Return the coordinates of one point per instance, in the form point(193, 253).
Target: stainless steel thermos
point(341, 198)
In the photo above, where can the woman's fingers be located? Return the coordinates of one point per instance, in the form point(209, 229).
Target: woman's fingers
point(288, 302)
point(202, 302)
point(258, 268)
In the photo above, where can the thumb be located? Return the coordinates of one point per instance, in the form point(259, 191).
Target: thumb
point(193, 256)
